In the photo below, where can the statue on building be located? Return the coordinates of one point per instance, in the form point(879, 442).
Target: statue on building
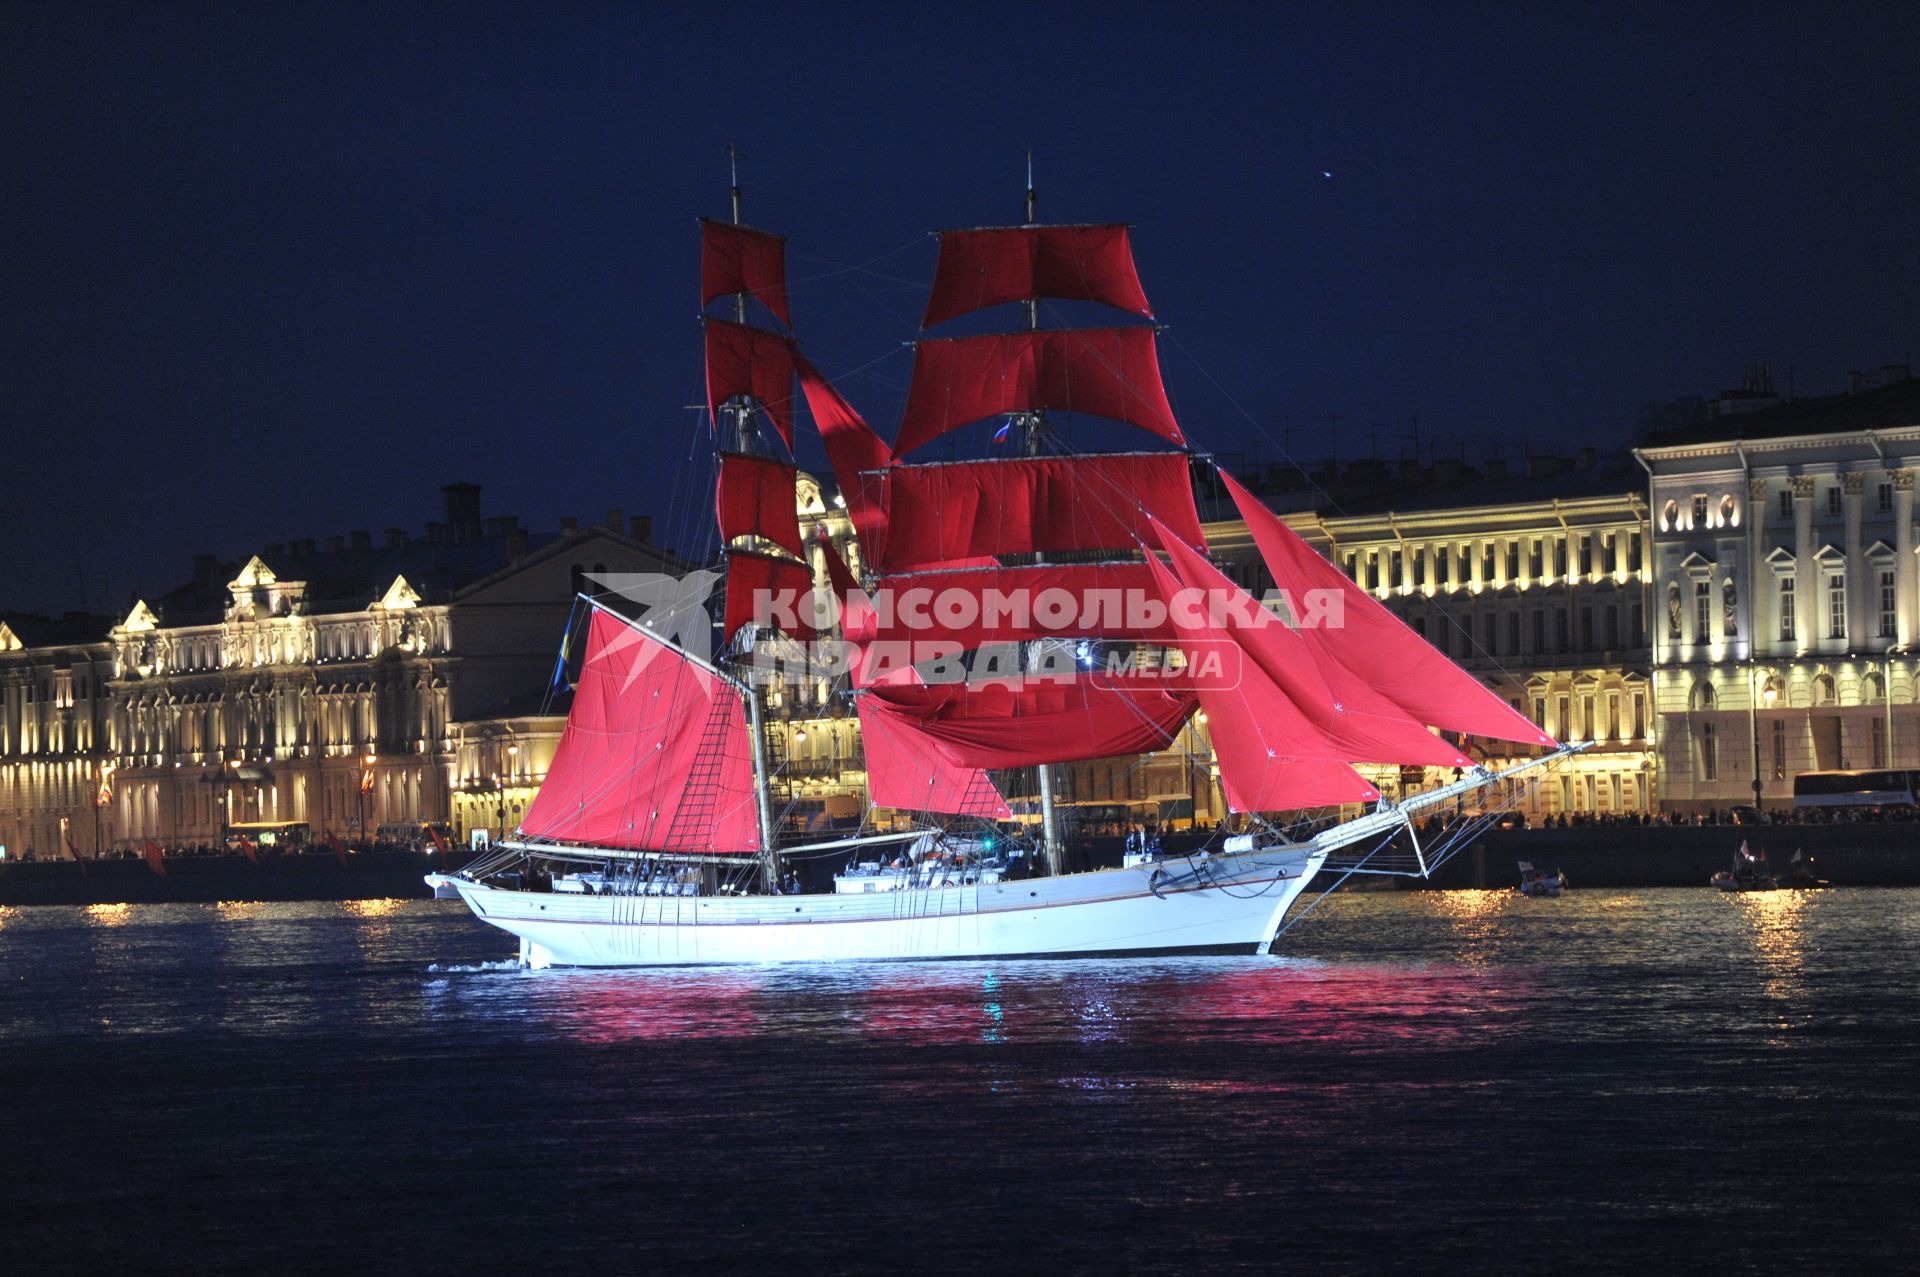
point(1731, 603)
point(1673, 609)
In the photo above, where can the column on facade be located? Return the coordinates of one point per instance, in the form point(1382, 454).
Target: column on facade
point(1903, 564)
point(1806, 581)
point(1763, 627)
point(1861, 597)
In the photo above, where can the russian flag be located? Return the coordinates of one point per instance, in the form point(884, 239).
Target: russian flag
point(1000, 435)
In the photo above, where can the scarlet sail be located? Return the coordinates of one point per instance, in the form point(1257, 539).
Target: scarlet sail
point(739, 259)
point(995, 265)
point(744, 361)
point(1357, 722)
point(768, 591)
point(855, 451)
point(1272, 757)
point(1045, 720)
point(756, 497)
point(655, 754)
point(909, 771)
point(1375, 646)
point(1109, 372)
point(976, 607)
point(972, 509)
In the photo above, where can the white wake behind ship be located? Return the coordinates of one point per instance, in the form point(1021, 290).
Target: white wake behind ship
point(654, 840)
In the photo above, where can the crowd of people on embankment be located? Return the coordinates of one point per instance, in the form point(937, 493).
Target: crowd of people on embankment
point(189, 851)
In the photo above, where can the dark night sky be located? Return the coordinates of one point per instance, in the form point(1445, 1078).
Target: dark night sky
point(274, 272)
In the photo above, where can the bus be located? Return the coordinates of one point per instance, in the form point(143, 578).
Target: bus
point(1855, 789)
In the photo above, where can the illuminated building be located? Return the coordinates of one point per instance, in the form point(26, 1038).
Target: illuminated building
point(348, 686)
point(1785, 610)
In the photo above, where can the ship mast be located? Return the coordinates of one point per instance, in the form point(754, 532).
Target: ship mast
point(1031, 428)
point(744, 437)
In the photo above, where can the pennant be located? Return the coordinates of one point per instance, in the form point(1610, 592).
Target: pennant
point(156, 858)
point(339, 849)
point(72, 850)
point(439, 844)
point(248, 850)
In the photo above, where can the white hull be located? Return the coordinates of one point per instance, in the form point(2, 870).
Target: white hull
point(1231, 903)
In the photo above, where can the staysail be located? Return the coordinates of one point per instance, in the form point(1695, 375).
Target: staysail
point(655, 754)
point(1373, 646)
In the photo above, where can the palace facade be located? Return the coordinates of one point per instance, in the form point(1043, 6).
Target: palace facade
point(353, 687)
point(1786, 602)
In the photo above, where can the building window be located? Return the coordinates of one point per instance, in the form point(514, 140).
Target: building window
point(1786, 609)
point(1539, 632)
point(1353, 568)
point(1513, 562)
point(1560, 555)
point(1420, 626)
point(1779, 730)
point(1560, 629)
point(1440, 564)
point(1823, 690)
point(1633, 551)
point(1536, 560)
point(1586, 557)
point(1613, 629)
point(1373, 571)
point(1609, 554)
point(1586, 629)
point(1419, 567)
point(1709, 753)
point(1540, 712)
point(1486, 563)
point(1833, 501)
point(1884, 496)
point(1702, 612)
point(1513, 634)
point(1493, 635)
point(1699, 511)
point(1836, 606)
point(1395, 566)
point(1889, 609)
point(1465, 573)
point(1639, 715)
point(1786, 504)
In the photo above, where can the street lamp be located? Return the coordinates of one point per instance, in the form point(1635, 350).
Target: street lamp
point(366, 786)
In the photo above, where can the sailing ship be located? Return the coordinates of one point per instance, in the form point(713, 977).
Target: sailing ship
point(654, 840)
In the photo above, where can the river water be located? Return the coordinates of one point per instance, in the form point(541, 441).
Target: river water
point(1451, 1081)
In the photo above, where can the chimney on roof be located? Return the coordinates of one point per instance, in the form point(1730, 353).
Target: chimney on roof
point(1894, 374)
point(338, 544)
point(1496, 469)
point(569, 524)
point(362, 542)
point(396, 539)
point(276, 550)
point(303, 548)
point(462, 507)
point(641, 529)
point(437, 534)
point(1853, 381)
point(616, 520)
point(516, 545)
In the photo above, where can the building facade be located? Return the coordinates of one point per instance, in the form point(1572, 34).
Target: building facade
point(1786, 592)
point(349, 688)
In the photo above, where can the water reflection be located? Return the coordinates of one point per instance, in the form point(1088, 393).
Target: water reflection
point(109, 915)
point(1776, 930)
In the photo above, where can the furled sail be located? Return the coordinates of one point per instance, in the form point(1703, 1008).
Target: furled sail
point(1272, 756)
point(751, 362)
point(739, 259)
point(995, 265)
point(939, 513)
point(1109, 372)
point(756, 496)
point(1358, 723)
point(655, 754)
point(908, 770)
point(1374, 646)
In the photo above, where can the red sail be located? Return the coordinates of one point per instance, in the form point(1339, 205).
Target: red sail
point(908, 771)
point(1354, 632)
point(156, 858)
point(980, 606)
point(856, 452)
point(636, 766)
point(751, 361)
point(971, 509)
point(1360, 724)
point(761, 588)
point(756, 497)
point(1272, 757)
point(1109, 372)
point(996, 265)
point(739, 259)
point(1050, 720)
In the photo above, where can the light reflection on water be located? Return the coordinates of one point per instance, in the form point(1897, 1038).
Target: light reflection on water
point(1416, 1072)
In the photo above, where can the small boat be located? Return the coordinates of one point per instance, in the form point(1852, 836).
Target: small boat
point(1536, 885)
point(1749, 873)
point(1801, 875)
